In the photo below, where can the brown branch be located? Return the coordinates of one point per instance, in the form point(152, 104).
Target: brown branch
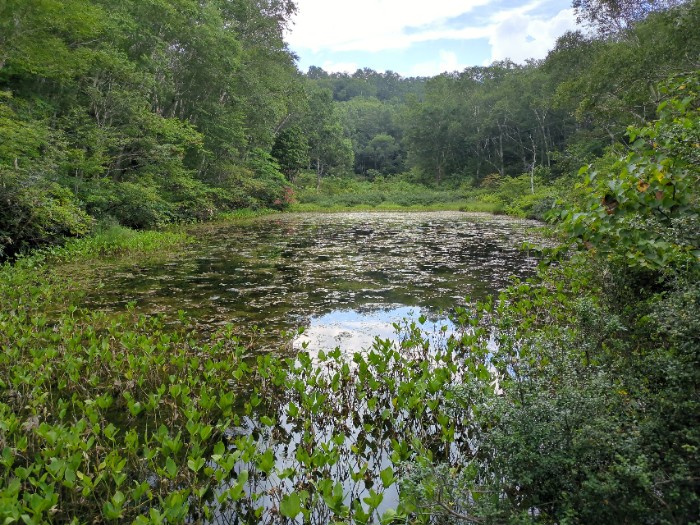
point(453, 512)
point(459, 515)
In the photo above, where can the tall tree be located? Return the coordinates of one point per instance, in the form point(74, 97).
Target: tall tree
point(365, 118)
point(330, 149)
point(610, 17)
point(291, 151)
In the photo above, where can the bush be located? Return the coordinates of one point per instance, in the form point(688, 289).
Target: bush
point(35, 213)
point(643, 208)
point(135, 205)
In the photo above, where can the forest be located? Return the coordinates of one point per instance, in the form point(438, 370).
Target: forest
point(145, 114)
point(124, 122)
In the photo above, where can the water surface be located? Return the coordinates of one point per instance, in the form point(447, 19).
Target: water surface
point(345, 277)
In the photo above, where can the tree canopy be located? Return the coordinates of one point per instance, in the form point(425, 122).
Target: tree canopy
point(141, 111)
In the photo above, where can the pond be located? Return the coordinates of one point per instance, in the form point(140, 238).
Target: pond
point(330, 421)
point(344, 277)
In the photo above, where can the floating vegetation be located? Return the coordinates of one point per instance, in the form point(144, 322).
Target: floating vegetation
point(279, 271)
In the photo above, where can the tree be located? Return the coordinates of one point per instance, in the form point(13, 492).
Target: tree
point(329, 148)
point(145, 111)
point(430, 141)
point(366, 118)
point(644, 207)
point(612, 17)
point(384, 152)
point(291, 150)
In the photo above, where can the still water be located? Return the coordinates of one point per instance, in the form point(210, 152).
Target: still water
point(349, 422)
point(345, 278)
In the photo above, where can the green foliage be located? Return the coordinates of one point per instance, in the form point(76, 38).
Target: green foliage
point(138, 110)
point(572, 394)
point(113, 100)
point(258, 185)
point(514, 195)
point(589, 419)
point(36, 213)
point(366, 83)
point(133, 204)
point(496, 119)
point(609, 17)
point(269, 185)
point(77, 460)
point(291, 151)
point(375, 131)
point(590, 415)
point(617, 86)
point(644, 206)
point(330, 151)
point(511, 119)
point(572, 398)
point(117, 416)
point(110, 239)
point(380, 193)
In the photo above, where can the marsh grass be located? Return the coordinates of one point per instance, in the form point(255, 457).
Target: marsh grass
point(386, 194)
point(241, 215)
point(497, 195)
point(326, 207)
point(113, 241)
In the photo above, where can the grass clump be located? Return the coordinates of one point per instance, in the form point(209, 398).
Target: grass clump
point(118, 240)
point(395, 193)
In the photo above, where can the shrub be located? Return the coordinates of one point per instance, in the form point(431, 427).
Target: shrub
point(34, 213)
point(644, 207)
point(132, 204)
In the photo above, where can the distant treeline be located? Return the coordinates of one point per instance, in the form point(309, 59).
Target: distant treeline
point(551, 115)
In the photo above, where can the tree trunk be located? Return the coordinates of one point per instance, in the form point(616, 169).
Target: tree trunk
point(532, 167)
point(319, 172)
point(440, 164)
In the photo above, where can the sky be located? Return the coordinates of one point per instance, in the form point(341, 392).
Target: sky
point(424, 37)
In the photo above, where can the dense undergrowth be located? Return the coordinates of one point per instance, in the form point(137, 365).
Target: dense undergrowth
point(594, 419)
point(524, 196)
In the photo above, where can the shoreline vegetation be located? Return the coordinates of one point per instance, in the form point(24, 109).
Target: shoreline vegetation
point(123, 123)
point(509, 197)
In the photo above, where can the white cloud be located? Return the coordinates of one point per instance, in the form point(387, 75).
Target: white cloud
point(368, 25)
point(519, 36)
point(447, 61)
point(339, 67)
point(517, 33)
